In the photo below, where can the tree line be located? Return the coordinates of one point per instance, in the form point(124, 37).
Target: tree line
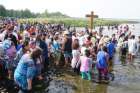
point(28, 14)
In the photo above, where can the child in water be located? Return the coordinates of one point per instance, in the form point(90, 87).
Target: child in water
point(86, 65)
point(102, 63)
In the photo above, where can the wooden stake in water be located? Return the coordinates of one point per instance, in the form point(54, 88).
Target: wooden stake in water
point(91, 17)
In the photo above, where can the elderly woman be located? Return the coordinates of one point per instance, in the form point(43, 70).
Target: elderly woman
point(26, 70)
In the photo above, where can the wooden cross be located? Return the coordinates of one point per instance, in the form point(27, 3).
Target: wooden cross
point(91, 16)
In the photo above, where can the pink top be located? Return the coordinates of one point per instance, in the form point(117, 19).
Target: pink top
point(86, 64)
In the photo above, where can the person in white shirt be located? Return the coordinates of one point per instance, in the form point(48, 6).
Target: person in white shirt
point(132, 47)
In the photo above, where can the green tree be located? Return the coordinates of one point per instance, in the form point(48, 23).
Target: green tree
point(2, 11)
point(27, 13)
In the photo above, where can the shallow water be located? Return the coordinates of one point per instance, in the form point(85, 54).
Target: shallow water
point(127, 80)
point(127, 76)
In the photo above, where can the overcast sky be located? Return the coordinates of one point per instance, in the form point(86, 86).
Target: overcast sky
point(78, 8)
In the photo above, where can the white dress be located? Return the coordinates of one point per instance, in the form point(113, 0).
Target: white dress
point(132, 46)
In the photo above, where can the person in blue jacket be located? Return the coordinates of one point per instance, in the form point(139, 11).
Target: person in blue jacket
point(26, 71)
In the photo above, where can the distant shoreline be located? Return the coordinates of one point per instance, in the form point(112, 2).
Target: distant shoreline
point(79, 22)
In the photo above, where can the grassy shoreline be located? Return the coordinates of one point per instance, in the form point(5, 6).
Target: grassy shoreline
point(78, 22)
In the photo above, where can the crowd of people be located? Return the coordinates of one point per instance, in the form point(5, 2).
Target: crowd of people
point(27, 50)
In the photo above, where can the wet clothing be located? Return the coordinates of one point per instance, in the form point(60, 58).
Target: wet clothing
point(25, 70)
point(86, 75)
point(101, 60)
point(86, 66)
point(103, 73)
point(102, 65)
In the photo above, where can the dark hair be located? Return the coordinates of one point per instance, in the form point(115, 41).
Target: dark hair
point(133, 37)
point(75, 44)
point(105, 48)
point(87, 52)
point(89, 38)
point(33, 33)
point(90, 34)
point(25, 43)
point(38, 38)
point(36, 53)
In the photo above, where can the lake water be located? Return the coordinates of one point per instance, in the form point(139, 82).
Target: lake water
point(135, 32)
